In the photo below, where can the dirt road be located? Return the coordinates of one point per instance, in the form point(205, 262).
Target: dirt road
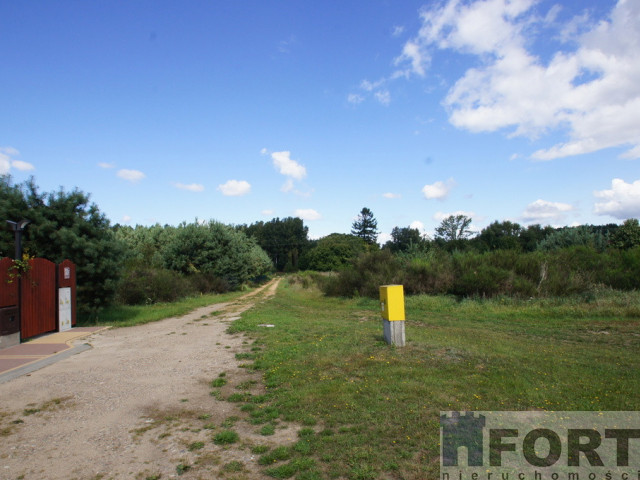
point(139, 405)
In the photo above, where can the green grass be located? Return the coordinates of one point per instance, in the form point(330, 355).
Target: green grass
point(226, 437)
point(131, 315)
point(377, 407)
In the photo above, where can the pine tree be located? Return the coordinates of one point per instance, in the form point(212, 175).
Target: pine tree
point(65, 225)
point(365, 226)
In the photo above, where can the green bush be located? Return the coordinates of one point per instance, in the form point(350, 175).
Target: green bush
point(366, 274)
point(152, 285)
point(432, 274)
point(576, 270)
point(483, 280)
point(333, 252)
point(217, 250)
point(205, 283)
point(622, 269)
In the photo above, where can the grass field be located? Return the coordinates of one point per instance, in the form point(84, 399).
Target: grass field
point(370, 411)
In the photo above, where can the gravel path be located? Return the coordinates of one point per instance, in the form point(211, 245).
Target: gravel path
point(138, 405)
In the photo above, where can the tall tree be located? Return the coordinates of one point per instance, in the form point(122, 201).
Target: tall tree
point(65, 225)
point(627, 236)
point(284, 240)
point(333, 252)
point(365, 226)
point(454, 227)
point(530, 237)
point(500, 236)
point(404, 239)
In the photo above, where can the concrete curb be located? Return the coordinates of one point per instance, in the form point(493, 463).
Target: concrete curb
point(37, 365)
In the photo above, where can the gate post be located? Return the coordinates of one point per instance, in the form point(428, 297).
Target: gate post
point(9, 320)
point(66, 295)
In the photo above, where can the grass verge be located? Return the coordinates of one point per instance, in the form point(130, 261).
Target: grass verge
point(131, 315)
point(375, 408)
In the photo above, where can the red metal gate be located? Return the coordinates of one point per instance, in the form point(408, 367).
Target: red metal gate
point(38, 305)
point(39, 293)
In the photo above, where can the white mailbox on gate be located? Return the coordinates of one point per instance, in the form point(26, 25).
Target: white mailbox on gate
point(64, 309)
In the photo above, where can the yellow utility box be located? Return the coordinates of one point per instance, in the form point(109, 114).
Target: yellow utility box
point(392, 302)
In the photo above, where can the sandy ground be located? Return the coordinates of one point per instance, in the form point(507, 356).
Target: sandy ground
point(134, 406)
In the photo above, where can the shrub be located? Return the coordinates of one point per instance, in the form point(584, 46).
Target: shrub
point(364, 277)
point(215, 250)
point(560, 272)
point(206, 283)
point(432, 274)
point(333, 252)
point(482, 280)
point(151, 285)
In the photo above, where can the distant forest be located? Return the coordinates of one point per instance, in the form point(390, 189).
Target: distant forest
point(148, 264)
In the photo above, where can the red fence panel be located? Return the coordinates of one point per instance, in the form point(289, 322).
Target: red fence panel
point(67, 278)
point(8, 285)
point(38, 303)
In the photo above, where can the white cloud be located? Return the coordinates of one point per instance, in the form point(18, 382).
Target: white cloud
point(264, 151)
point(286, 166)
point(287, 186)
point(384, 238)
point(397, 30)
point(10, 151)
point(131, 175)
point(375, 89)
point(23, 166)
point(368, 86)
point(438, 190)
point(126, 219)
point(391, 195)
point(383, 96)
point(106, 165)
point(355, 98)
point(416, 56)
point(267, 212)
point(591, 90)
point(418, 225)
point(235, 188)
point(192, 187)
point(542, 211)
point(622, 201)
point(307, 214)
point(7, 163)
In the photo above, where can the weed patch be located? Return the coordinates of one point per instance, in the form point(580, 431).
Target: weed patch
point(226, 437)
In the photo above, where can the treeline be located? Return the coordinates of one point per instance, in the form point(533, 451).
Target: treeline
point(503, 259)
point(125, 264)
point(148, 264)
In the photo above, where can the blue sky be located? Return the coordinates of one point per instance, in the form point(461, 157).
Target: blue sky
point(241, 111)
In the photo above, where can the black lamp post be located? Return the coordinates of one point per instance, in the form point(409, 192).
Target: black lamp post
point(18, 228)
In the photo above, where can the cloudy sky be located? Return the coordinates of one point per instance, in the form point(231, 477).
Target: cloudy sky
point(167, 111)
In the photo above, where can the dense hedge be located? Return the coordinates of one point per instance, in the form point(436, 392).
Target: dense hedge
point(166, 263)
point(568, 271)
